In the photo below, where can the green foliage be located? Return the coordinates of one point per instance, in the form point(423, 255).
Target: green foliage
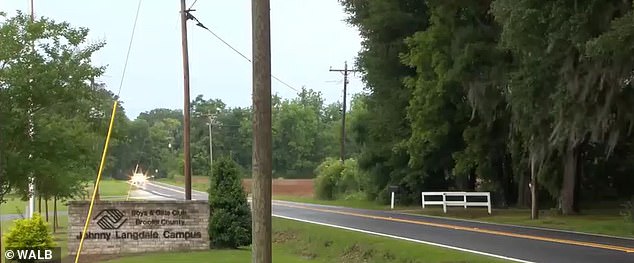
point(490, 86)
point(328, 174)
point(339, 180)
point(46, 80)
point(230, 214)
point(384, 25)
point(29, 233)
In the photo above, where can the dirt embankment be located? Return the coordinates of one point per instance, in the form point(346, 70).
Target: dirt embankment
point(287, 187)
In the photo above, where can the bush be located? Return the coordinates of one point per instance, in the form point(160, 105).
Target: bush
point(230, 214)
point(29, 233)
point(335, 180)
point(328, 174)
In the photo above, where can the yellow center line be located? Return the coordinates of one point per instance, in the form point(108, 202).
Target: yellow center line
point(471, 229)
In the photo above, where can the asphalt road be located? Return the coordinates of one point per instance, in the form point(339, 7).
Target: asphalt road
point(520, 244)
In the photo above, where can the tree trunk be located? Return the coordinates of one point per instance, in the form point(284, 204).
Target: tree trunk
point(511, 190)
point(461, 182)
point(504, 180)
point(523, 191)
point(578, 181)
point(569, 178)
point(39, 204)
point(46, 207)
point(54, 214)
point(472, 181)
point(534, 187)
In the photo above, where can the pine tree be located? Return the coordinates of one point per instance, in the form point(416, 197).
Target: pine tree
point(230, 214)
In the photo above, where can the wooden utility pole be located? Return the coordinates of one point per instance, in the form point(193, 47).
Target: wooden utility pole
point(186, 126)
point(211, 150)
point(345, 72)
point(262, 135)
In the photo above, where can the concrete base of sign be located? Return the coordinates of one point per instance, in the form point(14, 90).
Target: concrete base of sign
point(120, 227)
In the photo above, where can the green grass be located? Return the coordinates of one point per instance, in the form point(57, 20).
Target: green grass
point(591, 220)
point(15, 205)
point(111, 187)
point(215, 256)
point(301, 242)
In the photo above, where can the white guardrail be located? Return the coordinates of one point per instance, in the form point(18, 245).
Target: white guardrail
point(462, 202)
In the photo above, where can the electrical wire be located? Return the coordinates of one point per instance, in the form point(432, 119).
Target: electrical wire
point(190, 7)
point(127, 56)
point(200, 24)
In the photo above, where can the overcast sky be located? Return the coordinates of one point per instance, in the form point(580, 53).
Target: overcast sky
point(307, 38)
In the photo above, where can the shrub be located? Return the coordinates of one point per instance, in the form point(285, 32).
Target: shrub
point(328, 173)
point(335, 179)
point(29, 233)
point(230, 214)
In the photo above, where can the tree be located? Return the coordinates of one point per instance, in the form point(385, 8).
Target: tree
point(45, 80)
point(384, 25)
point(230, 218)
point(584, 87)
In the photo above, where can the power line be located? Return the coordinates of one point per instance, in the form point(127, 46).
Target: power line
point(127, 56)
point(190, 7)
point(200, 24)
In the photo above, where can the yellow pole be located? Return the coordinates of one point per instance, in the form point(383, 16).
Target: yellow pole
point(94, 192)
point(129, 189)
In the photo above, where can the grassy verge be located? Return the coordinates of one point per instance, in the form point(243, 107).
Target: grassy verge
point(111, 187)
point(302, 242)
point(596, 221)
point(15, 205)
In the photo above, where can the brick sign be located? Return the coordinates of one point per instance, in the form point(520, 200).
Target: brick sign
point(138, 226)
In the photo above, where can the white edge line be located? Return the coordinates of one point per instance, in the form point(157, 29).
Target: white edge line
point(514, 225)
point(407, 239)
